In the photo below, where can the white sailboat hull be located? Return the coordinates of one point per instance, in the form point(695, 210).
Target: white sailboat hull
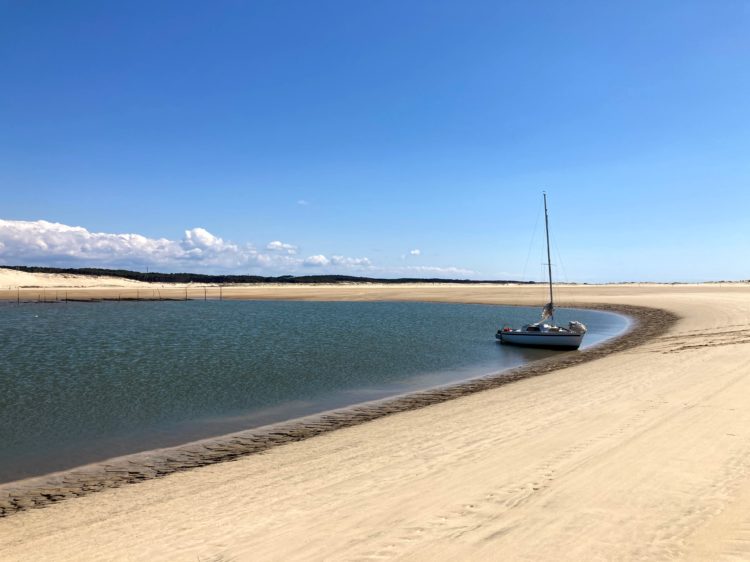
point(541, 339)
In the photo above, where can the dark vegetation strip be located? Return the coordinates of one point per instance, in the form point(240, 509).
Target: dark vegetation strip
point(155, 277)
point(648, 323)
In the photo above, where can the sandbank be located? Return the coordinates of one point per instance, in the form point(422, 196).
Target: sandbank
point(639, 453)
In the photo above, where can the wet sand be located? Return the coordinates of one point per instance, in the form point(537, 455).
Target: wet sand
point(639, 452)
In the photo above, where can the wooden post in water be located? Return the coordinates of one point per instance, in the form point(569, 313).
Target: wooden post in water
point(185, 293)
point(205, 295)
point(18, 295)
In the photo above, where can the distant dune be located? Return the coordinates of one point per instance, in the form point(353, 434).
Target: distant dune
point(13, 279)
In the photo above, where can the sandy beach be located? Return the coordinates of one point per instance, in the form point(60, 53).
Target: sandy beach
point(13, 279)
point(643, 453)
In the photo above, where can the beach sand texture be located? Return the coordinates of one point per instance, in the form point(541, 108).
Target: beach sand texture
point(642, 454)
point(11, 279)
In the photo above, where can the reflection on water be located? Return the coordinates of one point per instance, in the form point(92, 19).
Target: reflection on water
point(80, 382)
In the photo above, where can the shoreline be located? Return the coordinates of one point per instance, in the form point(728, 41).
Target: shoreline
point(43, 490)
point(490, 359)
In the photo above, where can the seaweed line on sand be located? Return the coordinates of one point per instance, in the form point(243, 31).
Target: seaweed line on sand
point(44, 490)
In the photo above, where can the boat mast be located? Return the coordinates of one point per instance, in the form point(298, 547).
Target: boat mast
point(549, 259)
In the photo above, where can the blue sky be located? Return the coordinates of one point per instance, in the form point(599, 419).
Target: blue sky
point(353, 133)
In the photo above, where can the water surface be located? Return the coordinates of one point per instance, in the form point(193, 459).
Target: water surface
point(81, 382)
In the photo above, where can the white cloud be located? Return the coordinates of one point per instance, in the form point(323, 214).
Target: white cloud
point(278, 246)
point(42, 239)
point(302, 202)
point(202, 239)
point(59, 245)
point(441, 271)
point(350, 262)
point(316, 261)
point(50, 243)
point(426, 271)
point(337, 262)
point(415, 252)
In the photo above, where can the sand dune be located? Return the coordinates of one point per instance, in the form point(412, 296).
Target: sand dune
point(643, 454)
point(11, 280)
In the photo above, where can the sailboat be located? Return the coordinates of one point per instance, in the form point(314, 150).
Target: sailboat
point(545, 334)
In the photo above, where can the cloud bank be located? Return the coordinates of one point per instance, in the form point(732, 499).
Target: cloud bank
point(59, 245)
point(322, 261)
point(278, 246)
point(56, 243)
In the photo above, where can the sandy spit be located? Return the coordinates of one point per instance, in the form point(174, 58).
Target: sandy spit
point(643, 453)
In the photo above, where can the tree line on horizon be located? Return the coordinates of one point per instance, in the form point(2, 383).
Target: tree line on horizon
point(157, 277)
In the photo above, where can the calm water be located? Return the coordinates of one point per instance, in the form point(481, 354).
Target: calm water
point(81, 382)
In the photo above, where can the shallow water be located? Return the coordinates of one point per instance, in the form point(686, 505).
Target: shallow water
point(81, 382)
